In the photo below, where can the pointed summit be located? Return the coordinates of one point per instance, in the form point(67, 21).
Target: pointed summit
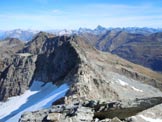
point(99, 27)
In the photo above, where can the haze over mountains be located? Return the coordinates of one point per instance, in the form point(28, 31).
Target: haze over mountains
point(27, 35)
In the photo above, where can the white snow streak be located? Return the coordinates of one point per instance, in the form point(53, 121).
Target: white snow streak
point(126, 84)
point(123, 83)
point(138, 90)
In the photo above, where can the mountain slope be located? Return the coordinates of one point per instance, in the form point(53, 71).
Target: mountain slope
point(138, 48)
point(90, 74)
point(105, 77)
point(146, 52)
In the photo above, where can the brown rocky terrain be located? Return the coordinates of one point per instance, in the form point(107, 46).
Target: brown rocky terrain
point(92, 111)
point(143, 49)
point(91, 75)
point(8, 48)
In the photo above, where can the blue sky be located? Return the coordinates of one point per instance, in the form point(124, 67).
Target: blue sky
point(72, 14)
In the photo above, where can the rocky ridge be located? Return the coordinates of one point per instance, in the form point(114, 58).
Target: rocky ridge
point(90, 74)
point(138, 45)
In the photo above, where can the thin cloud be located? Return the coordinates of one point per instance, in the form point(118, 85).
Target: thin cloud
point(109, 15)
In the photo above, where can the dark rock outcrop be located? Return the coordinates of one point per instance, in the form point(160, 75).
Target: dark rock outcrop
point(16, 78)
point(56, 56)
point(55, 66)
point(13, 68)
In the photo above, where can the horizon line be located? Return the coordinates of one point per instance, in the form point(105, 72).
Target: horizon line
point(57, 29)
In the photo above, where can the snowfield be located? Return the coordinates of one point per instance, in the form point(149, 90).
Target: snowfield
point(40, 95)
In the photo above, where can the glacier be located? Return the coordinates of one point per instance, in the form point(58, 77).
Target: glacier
point(39, 96)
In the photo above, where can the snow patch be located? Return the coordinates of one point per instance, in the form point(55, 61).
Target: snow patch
point(40, 95)
point(123, 83)
point(14, 103)
point(138, 90)
point(126, 84)
point(24, 54)
point(150, 119)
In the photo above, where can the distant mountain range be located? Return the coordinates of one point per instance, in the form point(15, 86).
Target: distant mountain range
point(24, 35)
point(99, 29)
point(27, 35)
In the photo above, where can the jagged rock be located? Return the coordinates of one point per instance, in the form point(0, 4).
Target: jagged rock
point(44, 43)
point(96, 112)
point(56, 56)
point(34, 117)
point(9, 47)
point(16, 78)
point(60, 114)
point(56, 65)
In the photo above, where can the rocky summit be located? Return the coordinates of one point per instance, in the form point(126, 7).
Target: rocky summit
point(102, 87)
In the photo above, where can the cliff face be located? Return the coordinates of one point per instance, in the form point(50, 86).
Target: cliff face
point(17, 76)
point(8, 48)
point(56, 56)
point(57, 64)
point(13, 68)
